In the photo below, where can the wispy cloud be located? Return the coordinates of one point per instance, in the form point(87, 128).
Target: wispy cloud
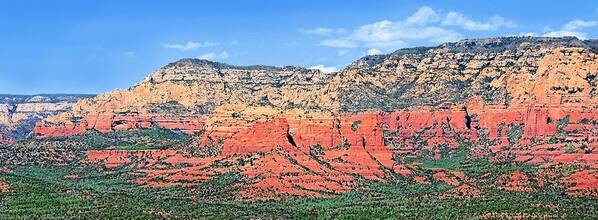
point(462, 21)
point(528, 34)
point(423, 16)
point(214, 56)
point(190, 45)
point(564, 33)
point(578, 24)
point(341, 53)
point(388, 34)
point(324, 69)
point(571, 28)
point(374, 51)
point(322, 31)
point(339, 43)
point(424, 25)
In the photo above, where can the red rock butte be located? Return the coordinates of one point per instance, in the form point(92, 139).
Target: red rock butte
point(312, 134)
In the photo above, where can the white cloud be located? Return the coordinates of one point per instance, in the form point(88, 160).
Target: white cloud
point(423, 16)
point(578, 24)
point(324, 69)
point(528, 34)
point(392, 35)
point(341, 53)
point(379, 34)
point(563, 33)
point(571, 28)
point(424, 25)
point(322, 31)
point(214, 56)
point(339, 43)
point(374, 51)
point(190, 45)
point(462, 21)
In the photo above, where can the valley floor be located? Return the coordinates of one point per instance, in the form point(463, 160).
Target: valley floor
point(82, 193)
point(59, 178)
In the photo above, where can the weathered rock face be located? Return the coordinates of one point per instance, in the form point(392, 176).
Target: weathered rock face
point(19, 114)
point(192, 87)
point(297, 154)
point(178, 94)
point(500, 71)
point(521, 79)
point(113, 122)
point(523, 99)
point(4, 139)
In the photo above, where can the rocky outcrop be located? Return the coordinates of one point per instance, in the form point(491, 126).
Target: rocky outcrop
point(197, 87)
point(19, 114)
point(4, 187)
point(501, 71)
point(5, 139)
point(413, 130)
point(105, 123)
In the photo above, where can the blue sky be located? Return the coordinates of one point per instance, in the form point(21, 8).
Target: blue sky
point(97, 46)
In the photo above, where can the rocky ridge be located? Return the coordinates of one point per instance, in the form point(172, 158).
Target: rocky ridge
point(292, 131)
point(20, 113)
point(499, 70)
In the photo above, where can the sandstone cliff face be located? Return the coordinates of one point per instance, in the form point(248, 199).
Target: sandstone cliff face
point(19, 114)
point(500, 71)
point(192, 87)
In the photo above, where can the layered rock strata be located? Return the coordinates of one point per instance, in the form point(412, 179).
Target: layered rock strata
point(19, 114)
point(293, 131)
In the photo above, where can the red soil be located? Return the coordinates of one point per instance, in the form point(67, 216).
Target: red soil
point(5, 139)
point(115, 158)
point(110, 122)
point(422, 180)
point(464, 191)
point(515, 181)
point(582, 183)
point(448, 179)
point(4, 186)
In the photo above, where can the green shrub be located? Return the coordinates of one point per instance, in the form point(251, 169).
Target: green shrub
point(561, 124)
point(515, 133)
point(355, 125)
